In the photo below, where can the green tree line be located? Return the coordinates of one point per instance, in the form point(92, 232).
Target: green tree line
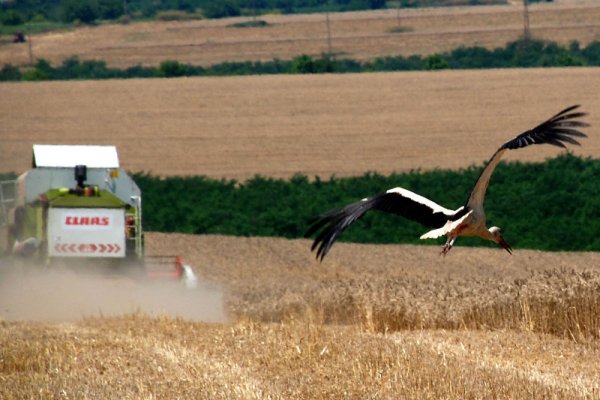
point(520, 53)
point(554, 205)
point(19, 12)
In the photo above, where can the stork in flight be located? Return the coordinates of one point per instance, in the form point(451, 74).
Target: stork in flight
point(468, 220)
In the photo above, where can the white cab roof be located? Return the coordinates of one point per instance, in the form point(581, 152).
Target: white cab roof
point(68, 156)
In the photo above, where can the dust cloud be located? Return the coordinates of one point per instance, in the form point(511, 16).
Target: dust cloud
point(48, 294)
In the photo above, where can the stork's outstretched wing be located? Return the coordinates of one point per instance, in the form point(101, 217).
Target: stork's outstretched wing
point(396, 201)
point(556, 131)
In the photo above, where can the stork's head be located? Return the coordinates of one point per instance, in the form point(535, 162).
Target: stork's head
point(498, 238)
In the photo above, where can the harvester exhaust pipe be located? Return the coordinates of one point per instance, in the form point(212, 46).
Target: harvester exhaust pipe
point(80, 175)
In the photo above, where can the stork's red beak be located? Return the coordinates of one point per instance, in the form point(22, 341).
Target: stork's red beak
point(506, 246)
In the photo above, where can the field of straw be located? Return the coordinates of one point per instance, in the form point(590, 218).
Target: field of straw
point(376, 322)
point(357, 35)
point(267, 321)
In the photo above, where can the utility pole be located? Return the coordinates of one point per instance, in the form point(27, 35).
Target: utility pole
point(526, 33)
point(30, 50)
point(328, 34)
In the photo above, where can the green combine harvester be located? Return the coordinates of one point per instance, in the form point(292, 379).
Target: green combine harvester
point(76, 204)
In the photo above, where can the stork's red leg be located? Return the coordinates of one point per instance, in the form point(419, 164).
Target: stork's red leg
point(448, 246)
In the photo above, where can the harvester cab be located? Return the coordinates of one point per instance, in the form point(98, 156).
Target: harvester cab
point(75, 204)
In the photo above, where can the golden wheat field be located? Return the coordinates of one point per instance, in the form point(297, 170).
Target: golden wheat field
point(357, 35)
point(378, 322)
point(267, 321)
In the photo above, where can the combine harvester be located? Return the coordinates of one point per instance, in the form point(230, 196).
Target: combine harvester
point(76, 204)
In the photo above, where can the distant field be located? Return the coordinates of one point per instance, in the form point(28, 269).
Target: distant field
point(357, 35)
point(236, 127)
point(371, 321)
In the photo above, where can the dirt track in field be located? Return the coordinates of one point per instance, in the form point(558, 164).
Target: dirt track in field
point(357, 35)
point(277, 126)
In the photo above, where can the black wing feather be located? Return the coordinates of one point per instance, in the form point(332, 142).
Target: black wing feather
point(332, 223)
point(555, 131)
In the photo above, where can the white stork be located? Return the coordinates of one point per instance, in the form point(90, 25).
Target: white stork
point(468, 220)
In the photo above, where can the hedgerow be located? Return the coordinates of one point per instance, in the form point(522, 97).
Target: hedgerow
point(520, 53)
point(554, 205)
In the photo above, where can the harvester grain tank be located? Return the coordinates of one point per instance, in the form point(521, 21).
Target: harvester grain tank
point(77, 203)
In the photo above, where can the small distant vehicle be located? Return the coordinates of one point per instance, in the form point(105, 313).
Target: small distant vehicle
point(19, 37)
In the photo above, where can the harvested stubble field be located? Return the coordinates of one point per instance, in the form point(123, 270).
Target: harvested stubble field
point(280, 125)
point(377, 322)
point(357, 35)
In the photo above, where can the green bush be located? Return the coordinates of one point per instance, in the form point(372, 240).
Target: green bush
point(303, 64)
point(435, 61)
point(34, 75)
point(592, 53)
point(38, 19)
point(42, 71)
point(521, 53)
point(86, 11)
point(222, 9)
point(111, 9)
point(10, 73)
point(11, 17)
point(172, 68)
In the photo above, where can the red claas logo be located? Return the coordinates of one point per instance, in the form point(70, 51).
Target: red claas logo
point(72, 220)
